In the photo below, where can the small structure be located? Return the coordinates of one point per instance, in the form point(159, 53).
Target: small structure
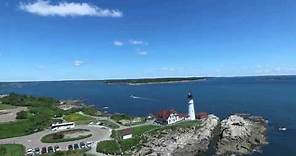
point(126, 133)
point(62, 126)
point(202, 115)
point(168, 117)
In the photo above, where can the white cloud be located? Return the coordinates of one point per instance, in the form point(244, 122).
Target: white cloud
point(46, 8)
point(137, 42)
point(143, 53)
point(78, 63)
point(118, 43)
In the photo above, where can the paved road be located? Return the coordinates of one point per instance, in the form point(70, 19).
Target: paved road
point(33, 140)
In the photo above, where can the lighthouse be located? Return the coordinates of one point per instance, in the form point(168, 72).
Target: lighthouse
point(191, 111)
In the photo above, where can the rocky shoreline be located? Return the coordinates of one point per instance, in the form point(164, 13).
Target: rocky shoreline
point(187, 141)
point(239, 134)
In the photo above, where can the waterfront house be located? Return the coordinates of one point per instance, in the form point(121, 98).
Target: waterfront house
point(126, 133)
point(168, 117)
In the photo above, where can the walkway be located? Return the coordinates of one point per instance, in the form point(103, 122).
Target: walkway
point(34, 140)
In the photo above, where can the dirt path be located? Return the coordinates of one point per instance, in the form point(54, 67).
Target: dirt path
point(8, 115)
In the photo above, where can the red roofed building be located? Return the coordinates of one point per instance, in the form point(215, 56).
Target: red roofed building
point(202, 115)
point(126, 133)
point(168, 117)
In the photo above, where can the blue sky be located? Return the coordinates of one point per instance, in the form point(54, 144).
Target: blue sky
point(101, 39)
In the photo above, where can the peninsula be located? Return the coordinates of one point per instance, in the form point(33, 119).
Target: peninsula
point(68, 127)
point(155, 80)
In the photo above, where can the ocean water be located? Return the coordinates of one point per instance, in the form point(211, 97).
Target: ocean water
point(274, 98)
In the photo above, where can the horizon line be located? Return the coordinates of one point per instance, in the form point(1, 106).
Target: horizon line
point(67, 80)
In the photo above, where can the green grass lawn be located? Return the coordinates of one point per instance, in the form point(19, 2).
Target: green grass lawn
point(109, 124)
point(108, 147)
point(41, 111)
point(5, 106)
point(13, 129)
point(78, 118)
point(59, 136)
point(117, 117)
point(12, 150)
point(139, 130)
point(136, 141)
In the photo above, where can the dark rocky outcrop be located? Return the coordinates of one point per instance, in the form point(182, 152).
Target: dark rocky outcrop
point(187, 141)
point(241, 134)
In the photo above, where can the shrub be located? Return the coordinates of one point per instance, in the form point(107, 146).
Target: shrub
point(108, 147)
point(58, 136)
point(21, 115)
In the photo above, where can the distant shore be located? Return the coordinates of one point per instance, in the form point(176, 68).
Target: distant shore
point(145, 81)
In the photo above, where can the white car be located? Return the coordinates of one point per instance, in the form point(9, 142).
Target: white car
point(88, 144)
point(30, 151)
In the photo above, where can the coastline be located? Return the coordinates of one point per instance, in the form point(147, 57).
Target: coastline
point(160, 82)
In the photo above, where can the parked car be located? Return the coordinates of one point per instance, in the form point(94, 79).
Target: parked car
point(70, 147)
point(56, 148)
point(88, 144)
point(82, 145)
point(50, 149)
point(30, 152)
point(43, 150)
point(37, 151)
point(76, 146)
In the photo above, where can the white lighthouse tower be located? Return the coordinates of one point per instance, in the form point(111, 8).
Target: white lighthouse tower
point(191, 111)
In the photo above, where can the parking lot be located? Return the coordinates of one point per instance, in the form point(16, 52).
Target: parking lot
point(33, 141)
point(55, 148)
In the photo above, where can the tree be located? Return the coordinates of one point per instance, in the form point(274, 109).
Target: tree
point(21, 115)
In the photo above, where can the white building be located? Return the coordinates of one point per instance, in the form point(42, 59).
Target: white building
point(126, 133)
point(173, 118)
point(191, 111)
point(168, 117)
point(62, 126)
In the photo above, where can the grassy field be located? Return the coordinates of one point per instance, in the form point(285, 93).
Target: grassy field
point(78, 118)
point(117, 117)
point(109, 124)
point(108, 147)
point(133, 143)
point(60, 136)
point(5, 106)
point(139, 130)
point(12, 150)
point(41, 110)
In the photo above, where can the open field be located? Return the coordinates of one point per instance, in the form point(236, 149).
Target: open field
point(10, 113)
point(125, 145)
point(108, 147)
point(12, 150)
point(5, 106)
point(41, 111)
point(109, 124)
point(78, 118)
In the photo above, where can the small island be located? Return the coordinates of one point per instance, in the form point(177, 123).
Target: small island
point(155, 80)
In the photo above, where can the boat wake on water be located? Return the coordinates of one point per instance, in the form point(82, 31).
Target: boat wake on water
point(142, 98)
